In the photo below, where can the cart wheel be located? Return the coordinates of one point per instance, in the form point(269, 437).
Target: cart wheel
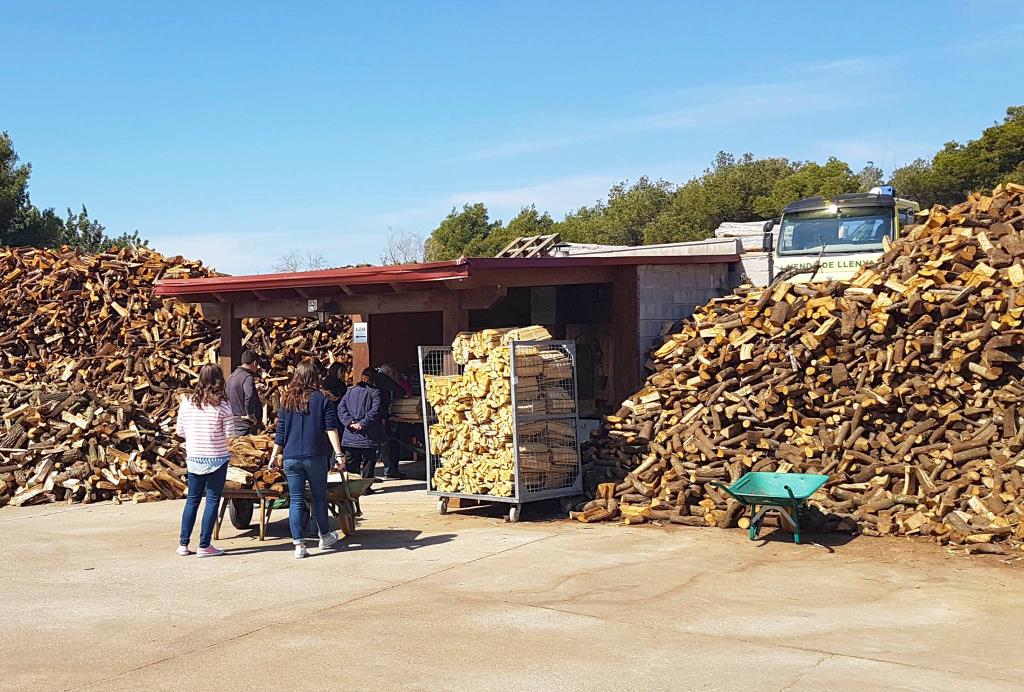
point(240, 513)
point(442, 505)
point(347, 522)
point(565, 503)
point(513, 513)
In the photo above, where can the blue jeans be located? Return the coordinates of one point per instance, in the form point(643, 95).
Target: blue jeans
point(212, 485)
point(299, 472)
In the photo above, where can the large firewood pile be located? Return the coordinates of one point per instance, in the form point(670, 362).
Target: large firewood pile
point(67, 444)
point(904, 385)
point(90, 325)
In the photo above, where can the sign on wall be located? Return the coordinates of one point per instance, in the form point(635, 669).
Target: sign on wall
point(360, 333)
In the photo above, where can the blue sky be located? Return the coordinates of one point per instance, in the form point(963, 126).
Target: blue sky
point(233, 132)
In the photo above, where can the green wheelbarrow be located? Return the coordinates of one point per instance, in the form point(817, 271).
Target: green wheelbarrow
point(784, 494)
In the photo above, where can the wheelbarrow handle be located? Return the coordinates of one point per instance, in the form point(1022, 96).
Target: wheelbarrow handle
point(725, 488)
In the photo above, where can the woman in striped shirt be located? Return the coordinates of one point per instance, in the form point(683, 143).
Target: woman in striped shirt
point(205, 421)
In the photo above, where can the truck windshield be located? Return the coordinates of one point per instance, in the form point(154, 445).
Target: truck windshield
point(845, 230)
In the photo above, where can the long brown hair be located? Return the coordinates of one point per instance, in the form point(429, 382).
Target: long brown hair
point(307, 378)
point(209, 388)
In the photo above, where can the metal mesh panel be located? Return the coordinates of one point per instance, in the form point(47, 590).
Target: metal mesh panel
point(546, 412)
point(434, 360)
point(544, 401)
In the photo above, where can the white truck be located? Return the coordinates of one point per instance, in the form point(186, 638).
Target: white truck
point(841, 233)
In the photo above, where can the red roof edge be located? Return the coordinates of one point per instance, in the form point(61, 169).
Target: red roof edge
point(348, 276)
point(451, 270)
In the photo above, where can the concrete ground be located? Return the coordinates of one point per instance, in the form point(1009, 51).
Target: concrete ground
point(94, 597)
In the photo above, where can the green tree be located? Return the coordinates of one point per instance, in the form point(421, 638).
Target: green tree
point(13, 185)
point(34, 226)
point(870, 176)
point(461, 233)
point(810, 179)
point(623, 219)
point(916, 181)
point(79, 231)
point(527, 222)
point(728, 191)
point(82, 232)
point(20, 222)
point(958, 169)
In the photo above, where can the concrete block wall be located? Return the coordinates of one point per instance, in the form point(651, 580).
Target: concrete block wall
point(670, 292)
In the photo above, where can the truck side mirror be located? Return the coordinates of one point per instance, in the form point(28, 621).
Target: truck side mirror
point(768, 240)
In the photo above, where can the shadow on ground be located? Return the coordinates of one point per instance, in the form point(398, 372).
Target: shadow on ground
point(540, 512)
point(362, 539)
point(386, 488)
point(828, 541)
point(395, 539)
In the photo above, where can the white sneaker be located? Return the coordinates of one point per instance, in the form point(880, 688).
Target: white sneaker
point(183, 550)
point(300, 551)
point(328, 539)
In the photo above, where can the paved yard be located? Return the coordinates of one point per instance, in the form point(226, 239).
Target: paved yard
point(95, 597)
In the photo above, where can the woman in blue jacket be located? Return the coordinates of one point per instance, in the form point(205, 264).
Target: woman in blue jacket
point(359, 413)
point(306, 423)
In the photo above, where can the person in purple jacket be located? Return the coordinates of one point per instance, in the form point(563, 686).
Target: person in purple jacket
point(306, 423)
point(359, 413)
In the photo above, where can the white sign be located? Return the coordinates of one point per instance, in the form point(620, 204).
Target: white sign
point(311, 305)
point(359, 333)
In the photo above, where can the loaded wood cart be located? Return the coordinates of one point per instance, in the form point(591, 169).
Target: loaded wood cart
point(342, 502)
point(500, 419)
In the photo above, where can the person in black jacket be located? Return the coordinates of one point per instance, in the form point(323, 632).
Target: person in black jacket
point(307, 429)
point(243, 396)
point(390, 390)
point(334, 383)
point(359, 413)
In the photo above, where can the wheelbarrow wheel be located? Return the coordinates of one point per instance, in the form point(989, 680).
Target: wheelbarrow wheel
point(346, 523)
point(240, 513)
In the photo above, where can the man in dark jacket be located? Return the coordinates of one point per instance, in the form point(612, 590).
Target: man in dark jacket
point(390, 390)
point(243, 397)
point(359, 413)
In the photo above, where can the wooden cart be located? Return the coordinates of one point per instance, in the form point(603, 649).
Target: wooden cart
point(342, 502)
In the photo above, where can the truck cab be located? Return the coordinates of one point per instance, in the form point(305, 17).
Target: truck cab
point(842, 233)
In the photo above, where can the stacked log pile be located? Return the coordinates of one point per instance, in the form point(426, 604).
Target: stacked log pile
point(90, 324)
point(63, 444)
point(473, 434)
point(248, 467)
point(904, 385)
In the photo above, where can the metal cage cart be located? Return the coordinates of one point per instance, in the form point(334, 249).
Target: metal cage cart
point(544, 413)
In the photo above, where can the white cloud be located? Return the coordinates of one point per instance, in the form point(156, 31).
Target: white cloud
point(706, 106)
point(256, 252)
point(555, 196)
point(232, 253)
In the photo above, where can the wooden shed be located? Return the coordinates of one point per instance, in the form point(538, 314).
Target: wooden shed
point(613, 306)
